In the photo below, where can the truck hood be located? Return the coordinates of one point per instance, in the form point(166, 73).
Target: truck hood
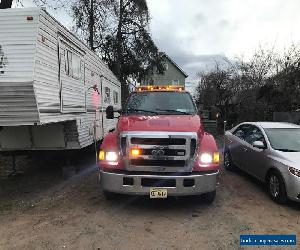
point(172, 123)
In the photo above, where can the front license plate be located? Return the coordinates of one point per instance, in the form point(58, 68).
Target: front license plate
point(158, 193)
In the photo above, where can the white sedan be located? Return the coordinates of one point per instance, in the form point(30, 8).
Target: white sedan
point(269, 151)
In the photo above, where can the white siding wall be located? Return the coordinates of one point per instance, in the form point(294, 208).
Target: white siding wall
point(46, 68)
point(75, 93)
point(17, 41)
point(35, 90)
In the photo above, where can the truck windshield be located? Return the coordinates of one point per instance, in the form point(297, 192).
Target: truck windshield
point(283, 139)
point(154, 103)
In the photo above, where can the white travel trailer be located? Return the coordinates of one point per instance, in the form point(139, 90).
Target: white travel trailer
point(53, 89)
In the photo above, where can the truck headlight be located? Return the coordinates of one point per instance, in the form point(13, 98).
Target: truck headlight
point(111, 156)
point(294, 171)
point(108, 156)
point(208, 158)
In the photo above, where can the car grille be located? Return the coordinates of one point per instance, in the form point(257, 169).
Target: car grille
point(162, 149)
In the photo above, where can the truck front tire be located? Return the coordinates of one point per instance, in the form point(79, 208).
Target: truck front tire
point(209, 197)
point(109, 195)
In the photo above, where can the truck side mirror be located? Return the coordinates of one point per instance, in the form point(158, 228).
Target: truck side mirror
point(110, 112)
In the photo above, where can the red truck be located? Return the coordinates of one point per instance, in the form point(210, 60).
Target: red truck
point(159, 147)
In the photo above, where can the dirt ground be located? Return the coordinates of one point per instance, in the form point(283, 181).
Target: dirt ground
point(42, 210)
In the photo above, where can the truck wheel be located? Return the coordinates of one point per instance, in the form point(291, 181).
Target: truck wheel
point(209, 197)
point(228, 165)
point(276, 187)
point(109, 195)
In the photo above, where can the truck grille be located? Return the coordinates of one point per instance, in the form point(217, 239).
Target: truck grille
point(164, 163)
point(158, 141)
point(167, 151)
point(193, 147)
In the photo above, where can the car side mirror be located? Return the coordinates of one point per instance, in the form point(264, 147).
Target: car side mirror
point(110, 112)
point(259, 144)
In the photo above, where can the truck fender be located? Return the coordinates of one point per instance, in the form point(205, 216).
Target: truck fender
point(110, 142)
point(209, 145)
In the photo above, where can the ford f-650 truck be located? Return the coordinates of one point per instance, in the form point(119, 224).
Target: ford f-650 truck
point(159, 147)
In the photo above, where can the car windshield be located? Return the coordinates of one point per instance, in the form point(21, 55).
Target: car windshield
point(154, 103)
point(287, 140)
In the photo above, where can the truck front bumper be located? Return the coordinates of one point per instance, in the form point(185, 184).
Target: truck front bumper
point(177, 185)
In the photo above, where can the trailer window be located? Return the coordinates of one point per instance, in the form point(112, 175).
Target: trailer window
point(116, 97)
point(68, 60)
point(107, 95)
point(76, 66)
point(73, 65)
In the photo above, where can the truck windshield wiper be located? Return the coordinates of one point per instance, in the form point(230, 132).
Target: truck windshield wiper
point(174, 110)
point(141, 110)
point(286, 150)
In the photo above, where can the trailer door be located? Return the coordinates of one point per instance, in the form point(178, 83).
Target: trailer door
point(71, 77)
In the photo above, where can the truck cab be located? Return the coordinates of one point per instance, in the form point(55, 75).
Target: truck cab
point(159, 147)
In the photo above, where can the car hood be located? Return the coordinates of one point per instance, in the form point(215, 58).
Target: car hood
point(172, 123)
point(291, 159)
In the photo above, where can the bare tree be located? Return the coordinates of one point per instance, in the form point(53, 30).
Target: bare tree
point(251, 89)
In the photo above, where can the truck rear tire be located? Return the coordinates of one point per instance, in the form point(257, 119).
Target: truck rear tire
point(209, 197)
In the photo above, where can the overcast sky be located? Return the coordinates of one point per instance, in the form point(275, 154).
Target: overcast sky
point(195, 33)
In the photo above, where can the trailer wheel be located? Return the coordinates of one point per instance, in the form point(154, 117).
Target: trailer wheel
point(209, 197)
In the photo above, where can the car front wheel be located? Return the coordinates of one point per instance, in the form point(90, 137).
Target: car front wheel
point(276, 187)
point(228, 165)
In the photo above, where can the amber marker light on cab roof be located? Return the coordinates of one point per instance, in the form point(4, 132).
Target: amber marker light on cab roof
point(159, 88)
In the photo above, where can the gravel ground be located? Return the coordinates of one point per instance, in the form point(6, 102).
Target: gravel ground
point(42, 210)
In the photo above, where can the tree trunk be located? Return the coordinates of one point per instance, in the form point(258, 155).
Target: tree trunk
point(6, 4)
point(119, 56)
point(91, 26)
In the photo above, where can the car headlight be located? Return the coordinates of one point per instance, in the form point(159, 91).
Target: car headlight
point(108, 156)
point(208, 158)
point(294, 171)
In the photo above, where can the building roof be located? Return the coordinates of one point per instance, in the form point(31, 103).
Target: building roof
point(175, 64)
